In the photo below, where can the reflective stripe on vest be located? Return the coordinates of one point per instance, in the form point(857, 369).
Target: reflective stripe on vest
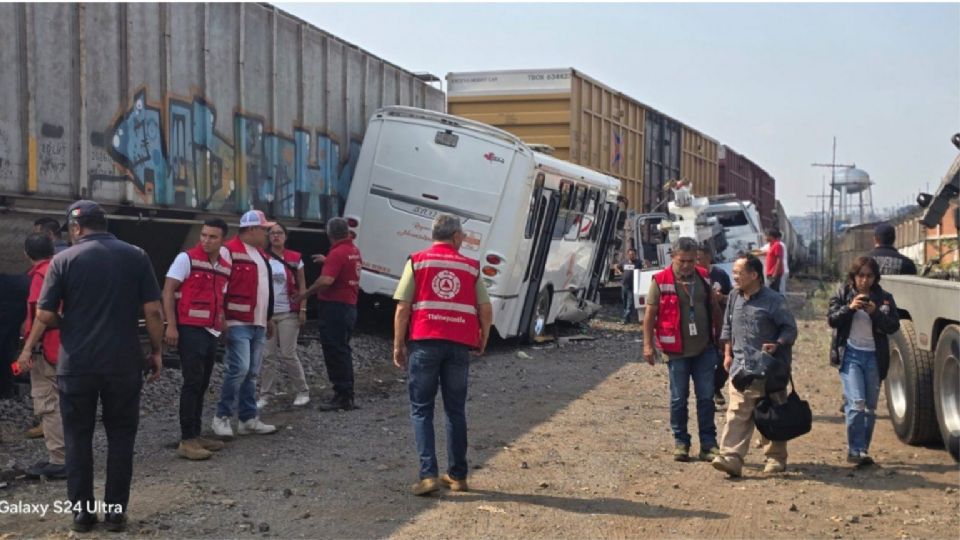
point(447, 264)
point(241, 297)
point(668, 331)
point(449, 306)
point(200, 296)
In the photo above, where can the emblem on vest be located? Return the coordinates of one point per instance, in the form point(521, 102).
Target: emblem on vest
point(446, 284)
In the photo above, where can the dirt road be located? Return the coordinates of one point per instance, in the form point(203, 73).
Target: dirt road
point(572, 442)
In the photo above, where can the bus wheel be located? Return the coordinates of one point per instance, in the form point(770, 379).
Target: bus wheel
point(538, 321)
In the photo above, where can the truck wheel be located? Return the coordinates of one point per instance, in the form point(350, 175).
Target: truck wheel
point(541, 310)
point(946, 387)
point(909, 388)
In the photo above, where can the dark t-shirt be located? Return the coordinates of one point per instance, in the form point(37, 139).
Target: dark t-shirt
point(892, 262)
point(628, 268)
point(103, 283)
point(717, 275)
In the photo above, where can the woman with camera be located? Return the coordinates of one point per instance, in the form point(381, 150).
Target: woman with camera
point(862, 315)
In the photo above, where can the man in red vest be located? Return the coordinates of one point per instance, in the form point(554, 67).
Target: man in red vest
point(682, 318)
point(248, 307)
point(193, 306)
point(43, 372)
point(444, 310)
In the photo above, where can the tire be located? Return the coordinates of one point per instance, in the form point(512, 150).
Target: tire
point(538, 319)
point(909, 388)
point(946, 388)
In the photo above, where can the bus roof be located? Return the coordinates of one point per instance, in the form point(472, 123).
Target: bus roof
point(449, 119)
point(578, 172)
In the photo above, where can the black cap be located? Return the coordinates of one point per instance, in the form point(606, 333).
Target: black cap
point(885, 232)
point(82, 208)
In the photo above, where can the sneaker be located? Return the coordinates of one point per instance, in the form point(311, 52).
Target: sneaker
point(50, 471)
point(728, 465)
point(774, 467)
point(35, 432)
point(425, 486)
point(221, 426)
point(681, 452)
point(709, 454)
point(302, 399)
point(853, 458)
point(718, 399)
point(255, 427)
point(263, 402)
point(453, 484)
point(865, 458)
point(212, 445)
point(192, 450)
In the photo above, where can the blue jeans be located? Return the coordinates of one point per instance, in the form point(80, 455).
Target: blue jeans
point(431, 363)
point(244, 358)
point(626, 298)
point(860, 376)
point(701, 369)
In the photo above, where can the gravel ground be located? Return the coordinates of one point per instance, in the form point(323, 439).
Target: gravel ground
point(566, 441)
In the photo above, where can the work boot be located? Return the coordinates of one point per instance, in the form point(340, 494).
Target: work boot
point(35, 432)
point(425, 486)
point(115, 521)
point(83, 521)
point(212, 445)
point(339, 402)
point(681, 452)
point(192, 449)
point(731, 466)
point(452, 483)
point(773, 466)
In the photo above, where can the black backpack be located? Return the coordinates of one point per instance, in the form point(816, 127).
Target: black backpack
point(783, 421)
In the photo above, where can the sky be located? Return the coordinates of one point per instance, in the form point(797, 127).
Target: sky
point(775, 82)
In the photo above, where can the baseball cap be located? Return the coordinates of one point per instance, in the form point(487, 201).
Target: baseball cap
point(255, 218)
point(81, 208)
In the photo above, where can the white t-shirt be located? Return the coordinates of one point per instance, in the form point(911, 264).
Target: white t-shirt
point(281, 300)
point(180, 271)
point(263, 287)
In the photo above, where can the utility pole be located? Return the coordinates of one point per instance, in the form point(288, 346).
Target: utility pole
point(833, 165)
point(819, 226)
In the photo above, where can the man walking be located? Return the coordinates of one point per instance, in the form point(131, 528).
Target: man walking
point(683, 317)
point(756, 319)
point(43, 372)
point(775, 264)
point(720, 283)
point(891, 261)
point(102, 285)
point(444, 309)
point(248, 307)
point(193, 306)
point(337, 290)
point(626, 270)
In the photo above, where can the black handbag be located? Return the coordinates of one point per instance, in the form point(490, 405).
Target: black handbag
point(783, 421)
point(758, 364)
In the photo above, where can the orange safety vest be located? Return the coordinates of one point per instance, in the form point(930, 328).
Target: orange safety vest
point(445, 302)
point(668, 331)
point(200, 297)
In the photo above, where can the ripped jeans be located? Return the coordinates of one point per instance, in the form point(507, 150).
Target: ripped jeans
point(861, 389)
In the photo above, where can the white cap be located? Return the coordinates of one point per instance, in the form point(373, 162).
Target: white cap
point(255, 218)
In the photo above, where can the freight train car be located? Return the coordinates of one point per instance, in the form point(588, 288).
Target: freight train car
point(742, 177)
point(168, 113)
point(797, 251)
point(588, 123)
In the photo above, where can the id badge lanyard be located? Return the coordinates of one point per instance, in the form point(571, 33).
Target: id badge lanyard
point(692, 322)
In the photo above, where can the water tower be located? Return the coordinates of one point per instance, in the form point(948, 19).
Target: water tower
point(852, 182)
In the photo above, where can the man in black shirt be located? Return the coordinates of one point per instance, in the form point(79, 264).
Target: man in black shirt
point(891, 261)
point(721, 285)
point(100, 284)
point(626, 288)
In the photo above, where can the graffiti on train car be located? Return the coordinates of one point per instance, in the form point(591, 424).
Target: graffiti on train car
point(175, 158)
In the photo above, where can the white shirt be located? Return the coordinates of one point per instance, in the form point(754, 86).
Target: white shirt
point(180, 271)
point(281, 300)
point(861, 332)
point(263, 287)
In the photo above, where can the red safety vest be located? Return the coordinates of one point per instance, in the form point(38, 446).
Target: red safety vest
point(200, 297)
point(667, 331)
point(241, 298)
point(292, 260)
point(51, 338)
point(445, 302)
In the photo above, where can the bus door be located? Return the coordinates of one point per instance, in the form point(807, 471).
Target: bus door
point(607, 223)
point(544, 219)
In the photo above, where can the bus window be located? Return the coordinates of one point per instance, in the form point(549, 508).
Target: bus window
point(536, 207)
point(580, 198)
point(561, 225)
point(566, 194)
point(574, 223)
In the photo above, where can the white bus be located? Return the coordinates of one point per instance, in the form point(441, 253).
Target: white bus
point(539, 226)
